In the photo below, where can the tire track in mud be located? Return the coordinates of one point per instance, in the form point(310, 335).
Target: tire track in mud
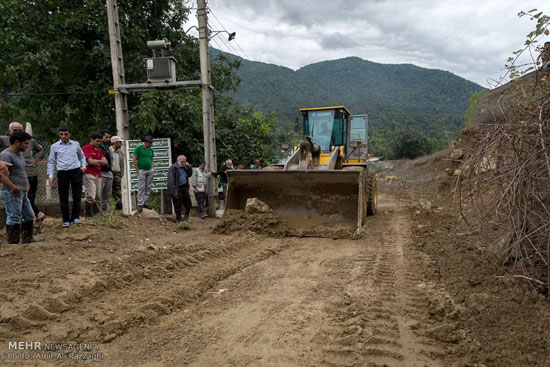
point(383, 317)
point(158, 281)
point(249, 300)
point(319, 302)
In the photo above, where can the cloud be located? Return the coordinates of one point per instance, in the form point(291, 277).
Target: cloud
point(338, 41)
point(470, 38)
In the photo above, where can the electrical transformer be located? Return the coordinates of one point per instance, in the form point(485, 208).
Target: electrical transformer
point(161, 67)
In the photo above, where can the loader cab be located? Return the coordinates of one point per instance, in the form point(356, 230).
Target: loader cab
point(334, 127)
point(357, 140)
point(326, 125)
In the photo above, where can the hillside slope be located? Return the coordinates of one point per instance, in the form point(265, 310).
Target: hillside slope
point(357, 83)
point(394, 96)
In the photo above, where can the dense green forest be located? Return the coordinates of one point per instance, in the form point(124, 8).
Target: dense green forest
point(399, 99)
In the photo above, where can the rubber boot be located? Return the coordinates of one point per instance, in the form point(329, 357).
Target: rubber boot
point(95, 208)
point(27, 229)
point(88, 210)
point(13, 232)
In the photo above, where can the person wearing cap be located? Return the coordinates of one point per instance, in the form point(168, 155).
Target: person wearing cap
point(117, 168)
point(67, 157)
point(145, 168)
point(222, 173)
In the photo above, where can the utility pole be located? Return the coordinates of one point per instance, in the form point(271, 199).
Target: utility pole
point(121, 100)
point(121, 90)
point(207, 104)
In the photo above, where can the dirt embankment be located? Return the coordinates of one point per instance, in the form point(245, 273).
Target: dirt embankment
point(505, 318)
point(502, 314)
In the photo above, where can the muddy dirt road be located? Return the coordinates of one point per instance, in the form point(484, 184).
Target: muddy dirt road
point(159, 298)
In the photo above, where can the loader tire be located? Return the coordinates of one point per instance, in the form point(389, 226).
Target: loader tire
point(372, 198)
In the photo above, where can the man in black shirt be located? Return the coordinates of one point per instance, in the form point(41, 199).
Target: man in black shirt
point(106, 174)
point(222, 172)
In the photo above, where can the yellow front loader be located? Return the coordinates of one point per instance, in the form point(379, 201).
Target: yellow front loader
point(325, 179)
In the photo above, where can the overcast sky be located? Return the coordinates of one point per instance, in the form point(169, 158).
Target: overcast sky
point(470, 38)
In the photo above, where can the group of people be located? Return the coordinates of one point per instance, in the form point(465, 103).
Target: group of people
point(99, 167)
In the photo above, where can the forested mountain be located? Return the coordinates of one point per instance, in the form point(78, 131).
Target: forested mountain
point(396, 97)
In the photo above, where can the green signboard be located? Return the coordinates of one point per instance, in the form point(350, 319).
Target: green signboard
point(157, 185)
point(159, 175)
point(163, 143)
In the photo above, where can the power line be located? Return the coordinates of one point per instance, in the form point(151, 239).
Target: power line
point(226, 44)
point(219, 47)
point(228, 32)
point(235, 51)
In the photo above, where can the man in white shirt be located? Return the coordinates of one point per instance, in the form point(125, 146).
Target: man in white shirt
point(117, 167)
point(199, 182)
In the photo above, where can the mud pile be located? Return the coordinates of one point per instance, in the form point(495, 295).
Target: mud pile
point(263, 223)
point(271, 225)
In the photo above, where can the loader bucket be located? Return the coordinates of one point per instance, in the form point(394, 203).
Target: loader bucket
point(305, 199)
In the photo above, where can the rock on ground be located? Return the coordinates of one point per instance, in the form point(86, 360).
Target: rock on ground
point(255, 205)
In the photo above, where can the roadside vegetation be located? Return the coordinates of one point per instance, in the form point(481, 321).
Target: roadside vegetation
point(505, 189)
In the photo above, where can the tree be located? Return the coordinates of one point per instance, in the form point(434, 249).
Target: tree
point(57, 71)
point(244, 134)
point(411, 143)
point(57, 57)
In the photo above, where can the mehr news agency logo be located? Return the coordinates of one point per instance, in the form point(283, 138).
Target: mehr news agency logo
point(24, 350)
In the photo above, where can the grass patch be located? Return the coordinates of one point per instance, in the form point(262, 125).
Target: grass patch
point(377, 167)
point(110, 218)
point(185, 226)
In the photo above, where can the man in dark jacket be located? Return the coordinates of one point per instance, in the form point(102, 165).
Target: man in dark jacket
point(222, 172)
point(106, 174)
point(179, 175)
